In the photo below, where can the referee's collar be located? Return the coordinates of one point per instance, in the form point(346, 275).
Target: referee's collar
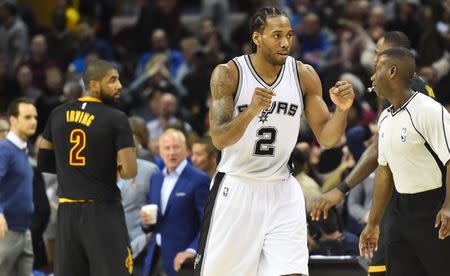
point(391, 108)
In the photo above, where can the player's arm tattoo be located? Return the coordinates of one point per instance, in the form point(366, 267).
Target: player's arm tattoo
point(222, 90)
point(225, 129)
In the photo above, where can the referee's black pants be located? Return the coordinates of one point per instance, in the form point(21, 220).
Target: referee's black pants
point(413, 247)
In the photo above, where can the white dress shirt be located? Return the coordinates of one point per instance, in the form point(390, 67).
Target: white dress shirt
point(170, 179)
point(21, 144)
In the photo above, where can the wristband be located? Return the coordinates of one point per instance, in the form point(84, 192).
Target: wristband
point(343, 187)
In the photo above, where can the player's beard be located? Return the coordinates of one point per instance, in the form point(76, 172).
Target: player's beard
point(272, 58)
point(106, 99)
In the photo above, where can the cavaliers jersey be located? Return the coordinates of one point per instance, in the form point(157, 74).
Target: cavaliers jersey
point(264, 149)
point(86, 137)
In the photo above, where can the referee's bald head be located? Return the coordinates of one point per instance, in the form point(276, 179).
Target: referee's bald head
point(401, 60)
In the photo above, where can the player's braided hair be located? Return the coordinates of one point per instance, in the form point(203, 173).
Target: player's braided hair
point(259, 20)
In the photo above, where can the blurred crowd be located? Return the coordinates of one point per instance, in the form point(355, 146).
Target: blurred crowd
point(165, 66)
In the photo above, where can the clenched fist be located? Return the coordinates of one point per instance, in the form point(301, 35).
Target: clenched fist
point(262, 99)
point(342, 95)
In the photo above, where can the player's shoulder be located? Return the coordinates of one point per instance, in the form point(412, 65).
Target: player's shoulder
point(309, 79)
point(225, 79)
point(112, 112)
point(228, 69)
point(304, 67)
point(63, 107)
point(420, 85)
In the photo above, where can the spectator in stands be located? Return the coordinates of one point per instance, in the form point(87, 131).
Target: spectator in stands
point(89, 43)
point(180, 192)
point(310, 187)
point(51, 97)
point(160, 14)
point(140, 132)
point(197, 89)
point(166, 116)
point(16, 200)
point(358, 205)
point(332, 166)
point(24, 78)
point(13, 36)
point(160, 45)
point(204, 155)
point(62, 44)
point(39, 62)
point(9, 88)
point(406, 20)
point(312, 39)
point(333, 241)
point(189, 46)
point(219, 12)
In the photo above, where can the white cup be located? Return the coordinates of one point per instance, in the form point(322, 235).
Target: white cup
point(152, 211)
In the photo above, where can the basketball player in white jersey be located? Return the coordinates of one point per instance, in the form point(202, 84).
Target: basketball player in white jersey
point(255, 220)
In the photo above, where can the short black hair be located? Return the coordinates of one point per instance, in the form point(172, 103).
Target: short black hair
point(13, 107)
point(259, 20)
point(397, 39)
point(96, 70)
point(403, 59)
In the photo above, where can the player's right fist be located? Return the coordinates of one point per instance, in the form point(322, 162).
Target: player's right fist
point(262, 99)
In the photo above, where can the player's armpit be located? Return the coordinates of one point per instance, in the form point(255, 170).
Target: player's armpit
point(126, 162)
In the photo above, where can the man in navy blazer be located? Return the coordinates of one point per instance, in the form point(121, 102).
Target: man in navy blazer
point(180, 192)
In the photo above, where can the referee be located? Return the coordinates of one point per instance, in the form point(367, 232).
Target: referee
point(414, 158)
point(87, 143)
point(368, 161)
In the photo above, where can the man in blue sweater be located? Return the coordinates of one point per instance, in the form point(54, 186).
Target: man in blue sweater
point(16, 191)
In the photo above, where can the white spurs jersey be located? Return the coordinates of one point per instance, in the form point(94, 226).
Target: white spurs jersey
point(265, 147)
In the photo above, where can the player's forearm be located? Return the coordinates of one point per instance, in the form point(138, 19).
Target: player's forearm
point(228, 133)
point(382, 192)
point(333, 129)
point(365, 166)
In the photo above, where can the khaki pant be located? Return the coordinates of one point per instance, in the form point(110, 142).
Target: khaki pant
point(16, 254)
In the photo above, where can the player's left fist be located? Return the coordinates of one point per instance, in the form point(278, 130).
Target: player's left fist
point(342, 95)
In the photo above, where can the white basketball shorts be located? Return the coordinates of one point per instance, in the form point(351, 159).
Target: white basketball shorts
point(253, 227)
